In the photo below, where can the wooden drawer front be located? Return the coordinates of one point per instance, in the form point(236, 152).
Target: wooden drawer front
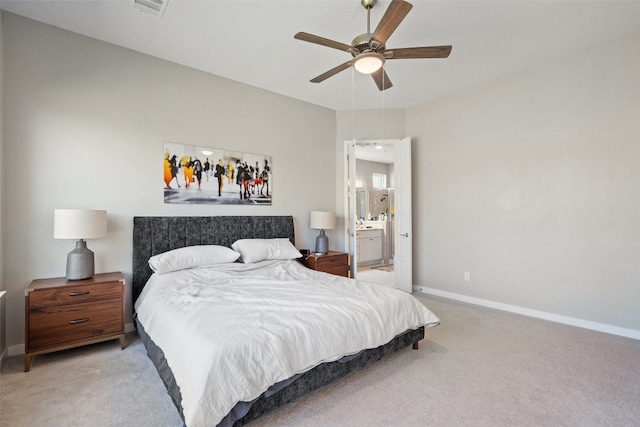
point(67, 323)
point(338, 270)
point(75, 294)
point(332, 261)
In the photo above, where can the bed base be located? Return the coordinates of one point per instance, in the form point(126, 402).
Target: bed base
point(326, 373)
point(303, 384)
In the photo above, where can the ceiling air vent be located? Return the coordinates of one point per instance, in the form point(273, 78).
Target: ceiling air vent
point(153, 7)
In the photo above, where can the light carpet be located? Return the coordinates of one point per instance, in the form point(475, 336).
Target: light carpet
point(480, 367)
point(379, 277)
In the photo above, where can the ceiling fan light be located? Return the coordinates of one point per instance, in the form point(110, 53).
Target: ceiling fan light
point(368, 62)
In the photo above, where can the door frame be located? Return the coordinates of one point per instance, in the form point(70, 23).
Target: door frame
point(350, 197)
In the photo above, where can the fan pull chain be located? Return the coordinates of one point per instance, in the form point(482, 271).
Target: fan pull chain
point(353, 104)
point(383, 87)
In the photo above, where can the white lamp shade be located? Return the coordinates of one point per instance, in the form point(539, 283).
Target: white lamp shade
point(322, 220)
point(79, 224)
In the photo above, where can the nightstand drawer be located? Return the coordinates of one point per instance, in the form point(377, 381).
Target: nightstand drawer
point(332, 261)
point(338, 270)
point(74, 294)
point(63, 324)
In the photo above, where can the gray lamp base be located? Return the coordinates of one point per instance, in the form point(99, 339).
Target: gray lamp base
point(322, 243)
point(80, 262)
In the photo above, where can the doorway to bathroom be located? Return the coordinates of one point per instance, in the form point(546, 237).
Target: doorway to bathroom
point(378, 208)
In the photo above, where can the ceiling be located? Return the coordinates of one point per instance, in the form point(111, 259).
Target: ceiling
point(374, 151)
point(252, 41)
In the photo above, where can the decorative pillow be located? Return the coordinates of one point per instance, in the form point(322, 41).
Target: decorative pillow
point(254, 250)
point(190, 257)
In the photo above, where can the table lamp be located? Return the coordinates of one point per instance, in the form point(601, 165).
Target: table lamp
point(322, 221)
point(79, 224)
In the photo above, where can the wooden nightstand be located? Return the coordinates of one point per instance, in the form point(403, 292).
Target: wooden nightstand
point(62, 314)
point(332, 262)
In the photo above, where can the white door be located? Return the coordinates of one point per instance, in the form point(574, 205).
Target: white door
point(403, 257)
point(403, 254)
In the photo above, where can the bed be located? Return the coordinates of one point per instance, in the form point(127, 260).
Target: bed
point(215, 377)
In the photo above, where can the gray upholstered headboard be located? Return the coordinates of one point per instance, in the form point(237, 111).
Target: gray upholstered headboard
point(154, 235)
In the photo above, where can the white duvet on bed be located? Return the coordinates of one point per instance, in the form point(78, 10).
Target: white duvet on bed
point(231, 331)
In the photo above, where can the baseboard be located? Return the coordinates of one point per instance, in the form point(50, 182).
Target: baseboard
point(18, 350)
point(594, 326)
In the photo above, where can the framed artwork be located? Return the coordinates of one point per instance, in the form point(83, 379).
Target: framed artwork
point(215, 176)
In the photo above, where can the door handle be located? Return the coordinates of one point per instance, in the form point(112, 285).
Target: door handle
point(404, 235)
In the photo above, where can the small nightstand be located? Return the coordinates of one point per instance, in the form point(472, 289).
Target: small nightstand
point(332, 262)
point(62, 314)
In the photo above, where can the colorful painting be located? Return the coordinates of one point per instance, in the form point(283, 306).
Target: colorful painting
point(215, 176)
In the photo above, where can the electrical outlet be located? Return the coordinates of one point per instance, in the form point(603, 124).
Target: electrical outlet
point(467, 276)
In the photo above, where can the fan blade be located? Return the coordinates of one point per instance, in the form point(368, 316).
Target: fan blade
point(394, 15)
point(418, 52)
point(381, 79)
point(331, 72)
point(322, 41)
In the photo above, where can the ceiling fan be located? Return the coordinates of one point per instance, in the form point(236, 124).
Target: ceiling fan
point(369, 51)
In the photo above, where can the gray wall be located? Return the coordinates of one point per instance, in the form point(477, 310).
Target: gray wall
point(532, 184)
point(85, 124)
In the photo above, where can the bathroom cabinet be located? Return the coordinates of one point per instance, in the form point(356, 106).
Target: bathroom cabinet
point(369, 245)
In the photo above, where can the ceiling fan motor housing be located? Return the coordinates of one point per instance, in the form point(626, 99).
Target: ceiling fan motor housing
point(363, 43)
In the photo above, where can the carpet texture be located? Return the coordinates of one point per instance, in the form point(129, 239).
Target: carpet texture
point(480, 367)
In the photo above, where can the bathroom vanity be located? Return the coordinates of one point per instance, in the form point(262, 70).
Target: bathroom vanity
point(369, 245)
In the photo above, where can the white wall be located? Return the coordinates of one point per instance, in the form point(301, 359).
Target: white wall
point(365, 170)
point(532, 184)
point(85, 124)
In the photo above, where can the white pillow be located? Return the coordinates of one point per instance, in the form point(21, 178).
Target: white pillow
point(190, 257)
point(254, 250)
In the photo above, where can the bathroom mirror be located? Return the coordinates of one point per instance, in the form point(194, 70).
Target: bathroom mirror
point(361, 203)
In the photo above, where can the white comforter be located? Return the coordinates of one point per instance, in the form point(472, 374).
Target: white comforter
point(231, 331)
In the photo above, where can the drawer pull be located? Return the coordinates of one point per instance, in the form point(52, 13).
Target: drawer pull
point(73, 322)
point(78, 293)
